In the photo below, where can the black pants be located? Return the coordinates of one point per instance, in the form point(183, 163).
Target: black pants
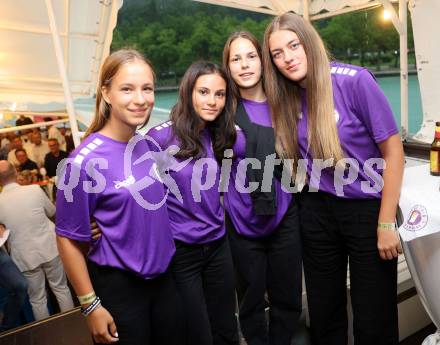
point(146, 312)
point(271, 264)
point(205, 278)
point(336, 231)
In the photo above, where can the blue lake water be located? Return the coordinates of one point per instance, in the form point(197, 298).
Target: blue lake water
point(391, 88)
point(166, 99)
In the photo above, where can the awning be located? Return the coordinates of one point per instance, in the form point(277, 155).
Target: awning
point(51, 51)
point(316, 9)
point(29, 71)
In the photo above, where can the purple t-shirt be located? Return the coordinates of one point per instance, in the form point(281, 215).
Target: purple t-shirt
point(125, 200)
point(196, 214)
point(364, 119)
point(239, 205)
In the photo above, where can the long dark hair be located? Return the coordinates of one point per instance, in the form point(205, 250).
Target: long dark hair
point(187, 125)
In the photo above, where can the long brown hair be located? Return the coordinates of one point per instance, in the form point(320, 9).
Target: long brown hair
point(109, 68)
point(187, 125)
point(234, 89)
point(284, 95)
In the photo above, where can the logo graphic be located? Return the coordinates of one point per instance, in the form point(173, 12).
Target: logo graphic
point(337, 116)
point(128, 182)
point(417, 219)
point(164, 162)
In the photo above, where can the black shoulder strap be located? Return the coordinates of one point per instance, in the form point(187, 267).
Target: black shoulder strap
point(260, 143)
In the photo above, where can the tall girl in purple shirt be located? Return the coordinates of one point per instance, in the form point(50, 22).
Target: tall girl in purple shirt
point(189, 147)
point(263, 226)
point(126, 291)
point(335, 117)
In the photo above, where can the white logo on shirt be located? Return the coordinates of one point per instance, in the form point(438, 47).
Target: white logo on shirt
point(163, 125)
point(164, 163)
point(337, 116)
point(343, 71)
point(128, 182)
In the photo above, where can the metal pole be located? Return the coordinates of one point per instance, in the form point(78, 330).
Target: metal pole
point(62, 69)
point(403, 10)
point(306, 14)
point(34, 125)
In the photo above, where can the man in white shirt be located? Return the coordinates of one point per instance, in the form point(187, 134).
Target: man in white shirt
point(15, 143)
point(54, 133)
point(25, 211)
point(38, 150)
point(4, 140)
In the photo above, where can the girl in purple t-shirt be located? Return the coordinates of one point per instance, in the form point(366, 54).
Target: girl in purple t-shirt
point(263, 227)
point(336, 119)
point(188, 149)
point(125, 289)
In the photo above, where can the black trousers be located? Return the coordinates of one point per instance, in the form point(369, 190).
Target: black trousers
point(337, 231)
point(205, 278)
point(146, 312)
point(271, 264)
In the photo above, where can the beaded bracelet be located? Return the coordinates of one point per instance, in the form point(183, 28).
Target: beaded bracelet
point(88, 310)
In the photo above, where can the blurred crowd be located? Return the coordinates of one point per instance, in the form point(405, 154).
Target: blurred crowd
point(29, 259)
point(36, 152)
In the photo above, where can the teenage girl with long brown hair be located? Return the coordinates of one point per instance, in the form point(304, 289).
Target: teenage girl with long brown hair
point(125, 288)
point(336, 117)
point(263, 225)
point(200, 130)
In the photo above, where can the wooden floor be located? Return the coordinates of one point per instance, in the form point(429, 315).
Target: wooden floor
point(69, 328)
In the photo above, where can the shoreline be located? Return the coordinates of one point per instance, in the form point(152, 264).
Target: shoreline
point(387, 73)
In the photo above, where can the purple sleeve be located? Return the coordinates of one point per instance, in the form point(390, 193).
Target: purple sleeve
point(372, 107)
point(158, 143)
point(74, 205)
point(158, 138)
point(153, 140)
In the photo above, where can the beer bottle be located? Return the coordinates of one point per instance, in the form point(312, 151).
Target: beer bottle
point(435, 152)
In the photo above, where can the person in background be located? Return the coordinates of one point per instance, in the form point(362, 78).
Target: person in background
point(13, 281)
point(70, 145)
point(337, 114)
point(15, 143)
point(23, 120)
point(26, 212)
point(4, 152)
point(24, 163)
point(39, 149)
point(54, 133)
point(54, 157)
point(4, 139)
point(26, 138)
point(25, 178)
